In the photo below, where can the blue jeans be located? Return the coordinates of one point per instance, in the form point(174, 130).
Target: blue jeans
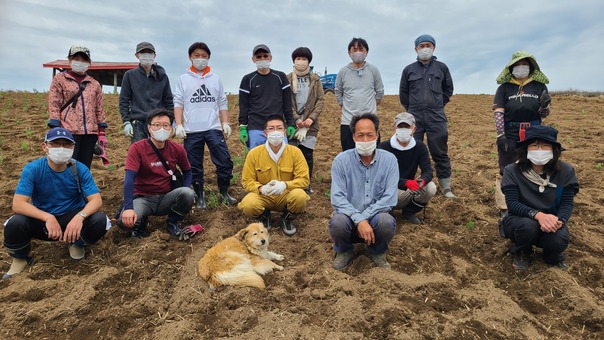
point(219, 153)
point(139, 129)
point(344, 233)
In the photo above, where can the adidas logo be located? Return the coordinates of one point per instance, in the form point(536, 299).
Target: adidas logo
point(202, 95)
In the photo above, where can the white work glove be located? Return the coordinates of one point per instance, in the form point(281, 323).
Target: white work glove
point(180, 131)
point(273, 188)
point(301, 134)
point(128, 130)
point(226, 129)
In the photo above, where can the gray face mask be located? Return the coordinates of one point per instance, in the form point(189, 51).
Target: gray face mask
point(200, 63)
point(161, 135)
point(146, 59)
point(521, 71)
point(79, 67)
point(263, 64)
point(425, 53)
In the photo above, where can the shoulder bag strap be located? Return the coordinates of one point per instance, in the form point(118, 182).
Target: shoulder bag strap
point(162, 160)
point(74, 99)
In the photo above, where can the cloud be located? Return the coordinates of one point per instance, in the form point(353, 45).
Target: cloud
point(474, 38)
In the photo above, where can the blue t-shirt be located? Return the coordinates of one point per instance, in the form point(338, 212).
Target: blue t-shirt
point(55, 192)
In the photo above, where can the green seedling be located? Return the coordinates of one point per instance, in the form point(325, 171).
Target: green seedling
point(466, 145)
point(24, 146)
point(19, 121)
point(28, 132)
point(471, 225)
point(235, 178)
point(238, 161)
point(493, 155)
point(319, 179)
point(111, 167)
point(212, 200)
point(328, 195)
point(599, 166)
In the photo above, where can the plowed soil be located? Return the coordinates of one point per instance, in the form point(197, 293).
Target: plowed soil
point(451, 276)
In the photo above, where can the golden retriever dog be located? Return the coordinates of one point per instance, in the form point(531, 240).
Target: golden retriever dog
point(238, 260)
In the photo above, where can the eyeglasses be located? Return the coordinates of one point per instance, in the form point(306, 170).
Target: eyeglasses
point(67, 145)
point(274, 128)
point(157, 126)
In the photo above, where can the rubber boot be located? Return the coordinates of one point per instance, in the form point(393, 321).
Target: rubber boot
point(21, 260)
point(445, 185)
point(223, 187)
point(172, 225)
point(410, 210)
point(200, 195)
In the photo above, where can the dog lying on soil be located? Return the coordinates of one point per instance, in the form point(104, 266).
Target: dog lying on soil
point(237, 260)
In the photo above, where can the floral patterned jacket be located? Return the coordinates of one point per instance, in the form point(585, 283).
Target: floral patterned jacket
point(88, 115)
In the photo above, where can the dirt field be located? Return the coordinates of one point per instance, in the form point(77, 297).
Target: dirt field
point(451, 276)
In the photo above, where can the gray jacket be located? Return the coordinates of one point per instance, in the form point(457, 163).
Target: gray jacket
point(142, 93)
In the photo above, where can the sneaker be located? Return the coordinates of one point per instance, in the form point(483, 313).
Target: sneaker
point(380, 260)
point(309, 190)
point(172, 227)
point(411, 217)
point(76, 252)
point(140, 232)
point(288, 227)
point(341, 261)
point(265, 219)
point(521, 261)
point(448, 193)
point(562, 265)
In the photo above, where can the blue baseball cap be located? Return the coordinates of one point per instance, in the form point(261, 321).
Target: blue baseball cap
point(58, 133)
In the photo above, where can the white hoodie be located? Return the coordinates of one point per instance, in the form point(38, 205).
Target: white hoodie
point(201, 97)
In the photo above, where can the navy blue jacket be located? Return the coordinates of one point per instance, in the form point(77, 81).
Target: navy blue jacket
point(142, 93)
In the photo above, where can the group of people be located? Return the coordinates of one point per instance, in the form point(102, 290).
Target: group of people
point(57, 199)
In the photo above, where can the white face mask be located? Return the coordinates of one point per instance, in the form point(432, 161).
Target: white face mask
point(403, 135)
point(200, 63)
point(358, 57)
point(425, 53)
point(60, 155)
point(365, 148)
point(79, 67)
point(301, 65)
point(521, 71)
point(161, 135)
point(146, 59)
point(275, 138)
point(263, 64)
point(540, 157)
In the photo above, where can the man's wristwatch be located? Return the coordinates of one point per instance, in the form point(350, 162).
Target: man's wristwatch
point(532, 213)
point(83, 214)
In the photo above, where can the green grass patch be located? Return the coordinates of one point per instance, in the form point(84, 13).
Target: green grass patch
point(471, 225)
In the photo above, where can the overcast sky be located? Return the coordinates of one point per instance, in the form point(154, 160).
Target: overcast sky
point(475, 38)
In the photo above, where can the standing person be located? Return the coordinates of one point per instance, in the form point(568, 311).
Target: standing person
point(262, 93)
point(539, 191)
point(144, 88)
point(56, 200)
point(426, 87)
point(75, 103)
point(413, 193)
point(275, 175)
point(148, 187)
point(201, 114)
point(363, 191)
point(359, 89)
point(307, 104)
point(522, 100)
